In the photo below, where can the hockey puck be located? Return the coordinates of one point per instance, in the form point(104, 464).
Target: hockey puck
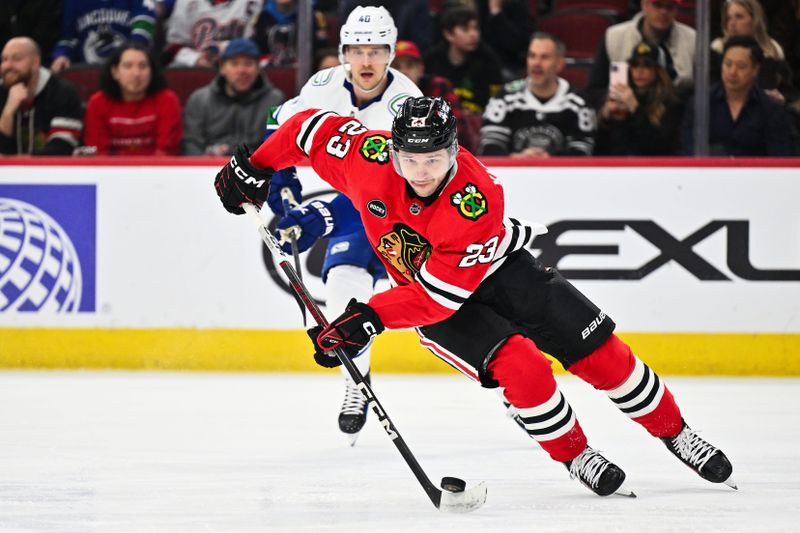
point(453, 484)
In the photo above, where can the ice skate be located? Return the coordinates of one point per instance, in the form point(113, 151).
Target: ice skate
point(709, 462)
point(598, 474)
point(353, 413)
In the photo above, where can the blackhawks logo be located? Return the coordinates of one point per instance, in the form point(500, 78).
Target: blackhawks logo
point(404, 249)
point(471, 202)
point(375, 149)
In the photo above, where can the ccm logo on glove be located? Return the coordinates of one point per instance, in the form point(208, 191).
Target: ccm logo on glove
point(240, 181)
point(240, 173)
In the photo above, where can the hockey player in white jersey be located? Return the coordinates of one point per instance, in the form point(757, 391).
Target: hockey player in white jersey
point(364, 87)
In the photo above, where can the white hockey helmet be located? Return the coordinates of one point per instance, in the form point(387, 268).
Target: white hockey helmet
point(368, 25)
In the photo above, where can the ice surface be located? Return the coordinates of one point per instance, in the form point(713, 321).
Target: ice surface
point(196, 452)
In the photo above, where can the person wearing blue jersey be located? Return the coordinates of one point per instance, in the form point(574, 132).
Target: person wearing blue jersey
point(364, 87)
point(93, 29)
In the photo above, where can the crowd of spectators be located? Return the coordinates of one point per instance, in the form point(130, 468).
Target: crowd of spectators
point(506, 79)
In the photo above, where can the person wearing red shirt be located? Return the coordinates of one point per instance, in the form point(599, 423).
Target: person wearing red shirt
point(133, 113)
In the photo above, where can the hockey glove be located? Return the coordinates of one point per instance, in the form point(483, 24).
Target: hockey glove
point(308, 222)
point(282, 179)
point(352, 331)
point(240, 181)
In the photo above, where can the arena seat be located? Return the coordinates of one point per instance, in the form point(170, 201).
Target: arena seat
point(619, 7)
point(577, 72)
point(582, 31)
point(184, 81)
point(85, 78)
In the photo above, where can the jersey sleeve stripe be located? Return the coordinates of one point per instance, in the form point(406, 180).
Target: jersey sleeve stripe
point(309, 128)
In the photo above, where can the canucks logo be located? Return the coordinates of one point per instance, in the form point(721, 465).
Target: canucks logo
point(471, 203)
point(375, 149)
point(397, 102)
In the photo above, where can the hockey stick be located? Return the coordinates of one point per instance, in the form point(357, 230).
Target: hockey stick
point(454, 498)
point(289, 202)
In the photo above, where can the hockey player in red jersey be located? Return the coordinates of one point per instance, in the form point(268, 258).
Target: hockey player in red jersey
point(463, 278)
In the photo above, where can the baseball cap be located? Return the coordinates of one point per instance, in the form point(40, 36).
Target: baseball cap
point(241, 47)
point(650, 53)
point(407, 49)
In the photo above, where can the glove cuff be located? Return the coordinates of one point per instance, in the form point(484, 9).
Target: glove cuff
point(368, 312)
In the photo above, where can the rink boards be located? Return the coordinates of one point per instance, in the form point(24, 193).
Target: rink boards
point(133, 264)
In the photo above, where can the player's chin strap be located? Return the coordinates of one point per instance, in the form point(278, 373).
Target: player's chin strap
point(454, 498)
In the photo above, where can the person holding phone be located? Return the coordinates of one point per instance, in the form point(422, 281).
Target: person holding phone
point(641, 114)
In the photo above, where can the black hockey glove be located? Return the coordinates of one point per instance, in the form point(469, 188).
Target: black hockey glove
point(351, 331)
point(240, 181)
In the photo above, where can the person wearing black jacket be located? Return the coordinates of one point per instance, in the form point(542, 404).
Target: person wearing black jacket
point(470, 64)
point(644, 116)
point(743, 119)
point(41, 113)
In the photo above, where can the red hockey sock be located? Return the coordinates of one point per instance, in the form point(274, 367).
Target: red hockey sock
point(527, 377)
point(633, 387)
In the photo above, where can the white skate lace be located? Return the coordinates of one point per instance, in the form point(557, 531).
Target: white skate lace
point(692, 448)
point(588, 466)
point(354, 401)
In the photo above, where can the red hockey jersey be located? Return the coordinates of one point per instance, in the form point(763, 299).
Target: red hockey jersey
point(436, 254)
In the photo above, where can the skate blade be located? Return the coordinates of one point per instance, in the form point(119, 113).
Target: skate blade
point(731, 483)
point(463, 502)
point(352, 438)
point(625, 491)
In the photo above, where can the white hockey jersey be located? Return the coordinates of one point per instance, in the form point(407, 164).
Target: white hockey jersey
point(329, 89)
point(198, 24)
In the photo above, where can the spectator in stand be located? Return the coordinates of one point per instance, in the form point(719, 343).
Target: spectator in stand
point(642, 117)
point(276, 32)
point(133, 113)
point(782, 17)
point(506, 27)
point(199, 29)
point(655, 23)
point(326, 58)
point(93, 29)
point(38, 19)
point(408, 60)
point(233, 108)
point(470, 65)
point(539, 116)
point(41, 113)
point(743, 120)
point(746, 17)
point(411, 17)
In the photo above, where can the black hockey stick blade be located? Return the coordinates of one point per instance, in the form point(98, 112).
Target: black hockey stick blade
point(453, 499)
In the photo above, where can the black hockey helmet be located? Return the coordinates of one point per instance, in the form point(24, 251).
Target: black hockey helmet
point(424, 125)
